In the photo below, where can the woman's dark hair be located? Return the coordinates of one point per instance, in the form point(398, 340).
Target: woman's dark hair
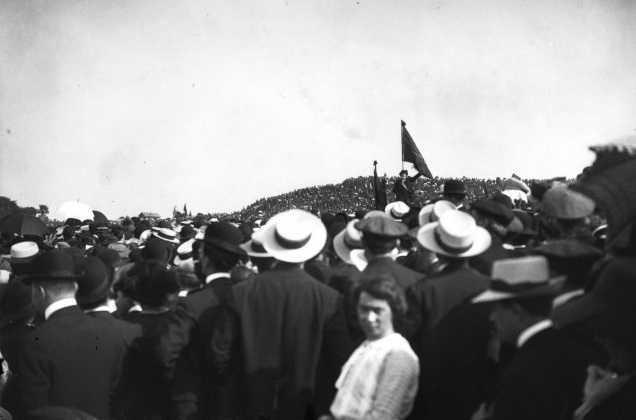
point(385, 288)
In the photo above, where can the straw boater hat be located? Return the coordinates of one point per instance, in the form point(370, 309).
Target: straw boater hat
point(23, 252)
point(185, 257)
point(456, 235)
point(375, 213)
point(294, 236)
point(432, 212)
point(397, 210)
point(254, 247)
point(166, 234)
point(346, 241)
point(525, 277)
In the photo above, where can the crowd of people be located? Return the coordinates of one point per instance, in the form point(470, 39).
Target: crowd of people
point(521, 305)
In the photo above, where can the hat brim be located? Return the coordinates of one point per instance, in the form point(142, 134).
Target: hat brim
point(235, 249)
point(358, 259)
point(247, 247)
point(481, 242)
point(314, 245)
point(550, 288)
point(341, 248)
point(30, 278)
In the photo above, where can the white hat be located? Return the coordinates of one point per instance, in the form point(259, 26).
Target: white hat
point(184, 254)
point(376, 213)
point(166, 234)
point(359, 259)
point(432, 212)
point(456, 234)
point(23, 250)
point(520, 277)
point(347, 240)
point(254, 247)
point(294, 236)
point(397, 210)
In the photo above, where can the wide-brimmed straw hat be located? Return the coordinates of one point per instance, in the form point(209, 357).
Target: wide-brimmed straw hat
point(432, 212)
point(397, 210)
point(254, 247)
point(359, 259)
point(346, 241)
point(455, 235)
point(524, 277)
point(294, 236)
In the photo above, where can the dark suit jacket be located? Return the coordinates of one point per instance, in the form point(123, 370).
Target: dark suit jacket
point(187, 348)
point(405, 278)
point(544, 380)
point(293, 332)
point(72, 360)
point(450, 336)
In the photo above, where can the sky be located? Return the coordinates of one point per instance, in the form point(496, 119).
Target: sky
point(131, 105)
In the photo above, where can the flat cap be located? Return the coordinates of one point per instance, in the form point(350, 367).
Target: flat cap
point(382, 227)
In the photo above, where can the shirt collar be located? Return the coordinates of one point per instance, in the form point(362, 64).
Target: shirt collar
point(566, 297)
point(103, 308)
point(57, 305)
point(533, 330)
point(215, 276)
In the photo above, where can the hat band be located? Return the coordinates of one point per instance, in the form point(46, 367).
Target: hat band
point(186, 256)
point(395, 215)
point(449, 248)
point(286, 243)
point(56, 273)
point(258, 247)
point(350, 243)
point(164, 236)
point(502, 286)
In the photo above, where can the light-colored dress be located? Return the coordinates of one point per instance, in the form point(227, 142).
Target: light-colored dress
point(379, 381)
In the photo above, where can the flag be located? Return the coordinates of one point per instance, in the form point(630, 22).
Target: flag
point(380, 191)
point(410, 153)
point(185, 210)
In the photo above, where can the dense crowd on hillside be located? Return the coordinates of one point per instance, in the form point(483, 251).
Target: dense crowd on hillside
point(461, 299)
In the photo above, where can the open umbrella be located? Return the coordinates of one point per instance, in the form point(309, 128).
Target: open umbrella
point(75, 210)
point(99, 217)
point(23, 224)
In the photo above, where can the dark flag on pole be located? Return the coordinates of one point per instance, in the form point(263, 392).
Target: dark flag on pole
point(410, 153)
point(380, 189)
point(185, 210)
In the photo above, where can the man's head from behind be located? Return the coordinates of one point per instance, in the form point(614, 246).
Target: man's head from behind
point(54, 278)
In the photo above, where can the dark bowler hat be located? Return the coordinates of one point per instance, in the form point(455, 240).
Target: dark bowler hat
point(224, 236)
point(15, 303)
point(187, 232)
point(497, 211)
point(94, 286)
point(54, 265)
point(454, 187)
point(382, 227)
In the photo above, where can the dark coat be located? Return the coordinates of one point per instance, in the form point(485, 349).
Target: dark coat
point(450, 336)
point(293, 337)
point(544, 380)
point(71, 360)
point(187, 350)
point(404, 190)
point(620, 406)
point(12, 335)
point(144, 392)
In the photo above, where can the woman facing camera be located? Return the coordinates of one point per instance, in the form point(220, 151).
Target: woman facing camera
point(379, 381)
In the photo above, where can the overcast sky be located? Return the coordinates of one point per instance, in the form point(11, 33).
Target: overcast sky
point(134, 105)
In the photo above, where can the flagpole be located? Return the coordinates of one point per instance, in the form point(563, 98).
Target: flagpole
point(402, 125)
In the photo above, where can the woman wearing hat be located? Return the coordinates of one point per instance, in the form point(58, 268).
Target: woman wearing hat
point(380, 379)
point(145, 392)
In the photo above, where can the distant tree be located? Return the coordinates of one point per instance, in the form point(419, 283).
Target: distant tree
point(31, 211)
point(44, 211)
point(8, 206)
